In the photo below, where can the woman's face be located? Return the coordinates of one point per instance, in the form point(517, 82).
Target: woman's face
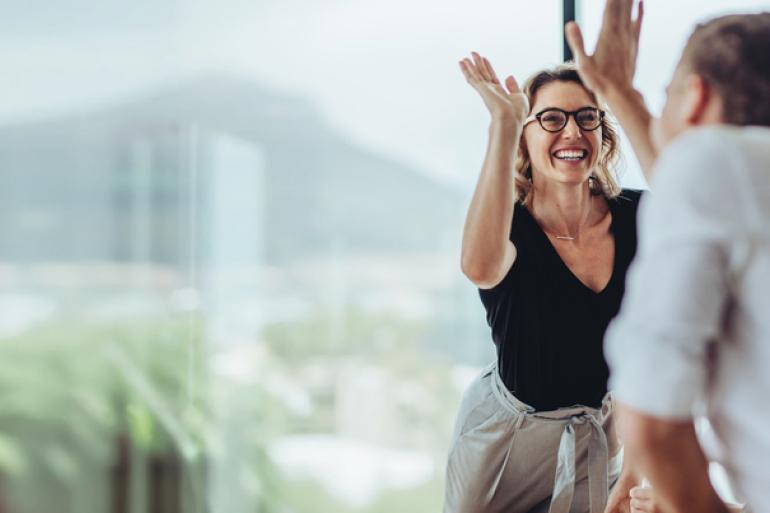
point(553, 155)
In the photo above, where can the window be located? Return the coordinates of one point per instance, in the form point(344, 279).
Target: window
point(230, 250)
point(230, 246)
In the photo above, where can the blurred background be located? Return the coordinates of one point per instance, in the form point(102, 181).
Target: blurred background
point(229, 244)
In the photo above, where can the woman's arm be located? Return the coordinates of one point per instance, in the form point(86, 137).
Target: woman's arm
point(487, 252)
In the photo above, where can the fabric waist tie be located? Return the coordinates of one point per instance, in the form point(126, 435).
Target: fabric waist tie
point(598, 451)
point(598, 455)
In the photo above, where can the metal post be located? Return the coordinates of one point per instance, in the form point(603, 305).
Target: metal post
point(569, 11)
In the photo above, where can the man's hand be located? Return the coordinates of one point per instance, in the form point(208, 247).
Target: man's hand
point(619, 500)
point(613, 64)
point(668, 454)
point(643, 501)
point(609, 72)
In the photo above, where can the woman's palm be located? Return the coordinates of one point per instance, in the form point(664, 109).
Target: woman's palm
point(504, 102)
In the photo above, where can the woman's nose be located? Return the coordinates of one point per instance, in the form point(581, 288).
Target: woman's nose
point(572, 130)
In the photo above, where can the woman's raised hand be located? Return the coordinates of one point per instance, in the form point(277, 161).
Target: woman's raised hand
point(505, 102)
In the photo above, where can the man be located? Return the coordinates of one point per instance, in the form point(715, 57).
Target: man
point(693, 335)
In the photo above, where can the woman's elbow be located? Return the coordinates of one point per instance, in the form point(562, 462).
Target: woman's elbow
point(482, 274)
point(488, 269)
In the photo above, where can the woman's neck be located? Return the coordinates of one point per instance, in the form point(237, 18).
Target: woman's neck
point(563, 210)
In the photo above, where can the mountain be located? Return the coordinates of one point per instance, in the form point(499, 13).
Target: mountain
point(69, 185)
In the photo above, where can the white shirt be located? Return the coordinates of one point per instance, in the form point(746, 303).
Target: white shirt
point(694, 327)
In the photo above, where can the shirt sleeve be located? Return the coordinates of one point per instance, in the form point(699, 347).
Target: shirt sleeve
point(657, 347)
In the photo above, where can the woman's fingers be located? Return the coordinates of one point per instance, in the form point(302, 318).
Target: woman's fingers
point(510, 104)
point(480, 67)
point(512, 85)
point(464, 69)
point(490, 71)
point(469, 70)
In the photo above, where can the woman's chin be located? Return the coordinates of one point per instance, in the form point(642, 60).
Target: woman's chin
point(569, 174)
point(574, 175)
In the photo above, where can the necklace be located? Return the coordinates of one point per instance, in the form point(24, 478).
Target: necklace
point(573, 237)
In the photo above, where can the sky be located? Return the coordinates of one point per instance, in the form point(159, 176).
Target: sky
point(384, 74)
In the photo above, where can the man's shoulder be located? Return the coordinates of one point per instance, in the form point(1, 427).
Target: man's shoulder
point(718, 145)
point(729, 134)
point(754, 141)
point(697, 147)
point(717, 173)
point(708, 157)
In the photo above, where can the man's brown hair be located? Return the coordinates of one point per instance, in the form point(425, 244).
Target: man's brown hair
point(732, 54)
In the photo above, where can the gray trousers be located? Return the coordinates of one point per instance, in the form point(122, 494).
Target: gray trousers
point(508, 458)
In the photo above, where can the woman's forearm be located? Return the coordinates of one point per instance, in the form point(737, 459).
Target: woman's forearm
point(486, 245)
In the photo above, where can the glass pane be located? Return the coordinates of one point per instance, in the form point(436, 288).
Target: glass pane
point(230, 249)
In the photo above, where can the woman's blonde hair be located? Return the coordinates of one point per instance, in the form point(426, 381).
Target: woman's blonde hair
point(604, 179)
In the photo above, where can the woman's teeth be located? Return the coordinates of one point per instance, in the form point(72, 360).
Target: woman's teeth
point(571, 154)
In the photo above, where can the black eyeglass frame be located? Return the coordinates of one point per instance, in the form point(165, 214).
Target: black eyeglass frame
point(567, 114)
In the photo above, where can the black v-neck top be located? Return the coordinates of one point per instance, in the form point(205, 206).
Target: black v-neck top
point(547, 325)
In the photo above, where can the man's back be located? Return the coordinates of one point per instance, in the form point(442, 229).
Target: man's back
point(739, 405)
point(698, 306)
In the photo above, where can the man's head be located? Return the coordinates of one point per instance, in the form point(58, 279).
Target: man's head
point(722, 77)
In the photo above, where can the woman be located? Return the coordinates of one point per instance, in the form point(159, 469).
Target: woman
point(548, 238)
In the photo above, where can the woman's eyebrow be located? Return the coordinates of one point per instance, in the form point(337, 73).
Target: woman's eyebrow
point(565, 110)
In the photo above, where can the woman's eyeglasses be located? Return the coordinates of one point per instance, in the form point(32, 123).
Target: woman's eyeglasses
point(554, 120)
